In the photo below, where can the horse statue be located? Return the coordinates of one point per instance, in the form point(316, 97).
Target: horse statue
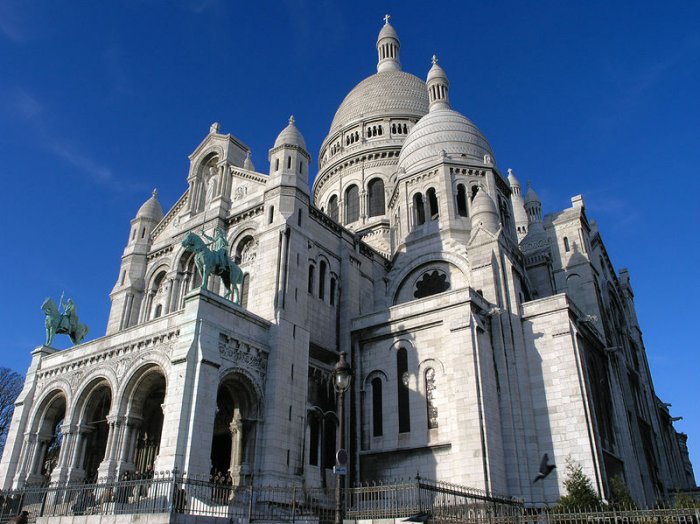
point(217, 263)
point(63, 323)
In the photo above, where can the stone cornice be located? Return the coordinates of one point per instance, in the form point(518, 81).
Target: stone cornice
point(170, 215)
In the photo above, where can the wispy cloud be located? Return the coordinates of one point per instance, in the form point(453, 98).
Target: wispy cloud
point(11, 23)
point(25, 109)
point(82, 162)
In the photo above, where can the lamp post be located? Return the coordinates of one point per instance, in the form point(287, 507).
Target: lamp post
point(342, 374)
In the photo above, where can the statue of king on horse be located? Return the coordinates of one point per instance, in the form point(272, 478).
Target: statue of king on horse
point(215, 261)
point(63, 323)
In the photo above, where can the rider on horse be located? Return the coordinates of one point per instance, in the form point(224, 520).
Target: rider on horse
point(69, 313)
point(219, 245)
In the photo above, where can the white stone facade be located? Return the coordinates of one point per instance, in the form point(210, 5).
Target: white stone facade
point(481, 334)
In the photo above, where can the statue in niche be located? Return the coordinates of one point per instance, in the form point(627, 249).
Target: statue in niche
point(215, 262)
point(63, 323)
point(212, 183)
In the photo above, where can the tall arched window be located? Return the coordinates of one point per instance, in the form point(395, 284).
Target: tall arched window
point(461, 200)
point(332, 291)
point(352, 204)
point(418, 209)
point(377, 429)
point(430, 398)
point(402, 390)
point(376, 197)
point(311, 278)
point(333, 207)
point(433, 204)
point(245, 286)
point(314, 439)
point(322, 280)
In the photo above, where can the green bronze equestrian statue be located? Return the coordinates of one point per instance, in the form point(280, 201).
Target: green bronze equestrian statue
point(63, 323)
point(215, 262)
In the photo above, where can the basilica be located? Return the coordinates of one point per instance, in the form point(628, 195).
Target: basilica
point(480, 333)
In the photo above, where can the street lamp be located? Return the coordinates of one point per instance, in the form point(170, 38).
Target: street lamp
point(342, 375)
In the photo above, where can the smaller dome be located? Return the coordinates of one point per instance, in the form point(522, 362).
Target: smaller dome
point(484, 211)
point(290, 136)
point(443, 130)
point(151, 208)
point(436, 72)
point(531, 196)
point(512, 180)
point(387, 31)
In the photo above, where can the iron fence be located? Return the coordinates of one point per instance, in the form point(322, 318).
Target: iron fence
point(419, 500)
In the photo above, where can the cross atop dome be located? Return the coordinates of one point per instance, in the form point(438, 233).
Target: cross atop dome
point(387, 17)
point(435, 59)
point(291, 120)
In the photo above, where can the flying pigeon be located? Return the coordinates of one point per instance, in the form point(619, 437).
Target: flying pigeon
point(545, 468)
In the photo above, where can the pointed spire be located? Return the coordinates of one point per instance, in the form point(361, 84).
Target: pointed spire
point(438, 85)
point(248, 162)
point(388, 48)
point(533, 206)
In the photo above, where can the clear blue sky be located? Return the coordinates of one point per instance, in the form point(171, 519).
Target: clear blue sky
point(102, 101)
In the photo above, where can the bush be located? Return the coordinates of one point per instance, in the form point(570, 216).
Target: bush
point(580, 493)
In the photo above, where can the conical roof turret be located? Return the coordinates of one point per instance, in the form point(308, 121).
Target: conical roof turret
point(151, 208)
point(484, 212)
point(290, 136)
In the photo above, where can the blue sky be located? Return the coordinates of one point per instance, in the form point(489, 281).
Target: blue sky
point(102, 101)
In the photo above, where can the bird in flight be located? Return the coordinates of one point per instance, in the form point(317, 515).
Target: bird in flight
point(545, 468)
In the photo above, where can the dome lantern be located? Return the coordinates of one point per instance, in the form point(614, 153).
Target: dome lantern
point(388, 46)
point(438, 85)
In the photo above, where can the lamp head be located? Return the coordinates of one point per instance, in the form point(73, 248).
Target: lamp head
point(342, 374)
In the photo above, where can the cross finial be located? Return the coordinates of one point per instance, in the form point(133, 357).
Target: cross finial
point(435, 60)
point(510, 171)
point(386, 18)
point(291, 120)
point(155, 193)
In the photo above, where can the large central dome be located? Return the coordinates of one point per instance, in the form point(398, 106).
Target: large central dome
point(384, 93)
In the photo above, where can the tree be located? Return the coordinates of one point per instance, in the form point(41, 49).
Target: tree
point(10, 388)
point(579, 489)
point(620, 495)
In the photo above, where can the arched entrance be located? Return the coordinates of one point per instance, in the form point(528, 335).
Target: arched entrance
point(94, 429)
point(143, 420)
point(233, 441)
point(43, 446)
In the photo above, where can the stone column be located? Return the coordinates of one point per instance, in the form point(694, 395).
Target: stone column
point(107, 467)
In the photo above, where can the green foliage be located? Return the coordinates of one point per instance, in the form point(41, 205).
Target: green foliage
point(683, 500)
point(620, 494)
point(580, 493)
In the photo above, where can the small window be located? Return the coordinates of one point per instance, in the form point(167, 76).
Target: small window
point(245, 286)
point(271, 215)
point(298, 217)
point(277, 164)
point(377, 418)
point(143, 232)
point(322, 280)
point(430, 398)
point(301, 166)
point(133, 234)
point(567, 248)
point(433, 203)
point(352, 204)
point(333, 207)
point(418, 209)
point(289, 162)
point(402, 390)
point(332, 291)
point(159, 311)
point(123, 278)
point(461, 200)
point(313, 441)
point(376, 197)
